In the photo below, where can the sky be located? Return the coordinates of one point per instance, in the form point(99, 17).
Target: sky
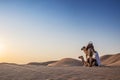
point(44, 30)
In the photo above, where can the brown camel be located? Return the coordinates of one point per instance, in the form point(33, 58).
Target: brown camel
point(89, 51)
point(88, 63)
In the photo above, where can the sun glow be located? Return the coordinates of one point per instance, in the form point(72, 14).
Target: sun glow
point(2, 48)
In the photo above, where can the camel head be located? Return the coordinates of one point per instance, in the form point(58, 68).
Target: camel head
point(81, 57)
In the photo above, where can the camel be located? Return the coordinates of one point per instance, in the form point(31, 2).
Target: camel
point(83, 61)
point(89, 51)
point(90, 61)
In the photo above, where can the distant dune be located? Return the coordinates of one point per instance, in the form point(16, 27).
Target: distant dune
point(67, 62)
point(41, 63)
point(104, 57)
point(117, 63)
point(106, 60)
point(111, 60)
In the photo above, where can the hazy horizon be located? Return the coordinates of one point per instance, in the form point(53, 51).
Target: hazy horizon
point(43, 30)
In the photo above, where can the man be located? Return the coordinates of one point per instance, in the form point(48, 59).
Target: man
point(97, 58)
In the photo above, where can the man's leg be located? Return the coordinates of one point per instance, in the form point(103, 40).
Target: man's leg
point(96, 64)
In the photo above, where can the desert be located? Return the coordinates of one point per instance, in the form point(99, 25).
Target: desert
point(64, 69)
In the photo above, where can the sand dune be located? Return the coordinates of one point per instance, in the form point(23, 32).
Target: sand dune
point(66, 62)
point(104, 57)
point(34, 72)
point(67, 69)
point(41, 63)
point(106, 60)
point(111, 60)
point(117, 63)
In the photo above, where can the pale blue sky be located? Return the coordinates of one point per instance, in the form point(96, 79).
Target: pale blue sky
point(42, 30)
